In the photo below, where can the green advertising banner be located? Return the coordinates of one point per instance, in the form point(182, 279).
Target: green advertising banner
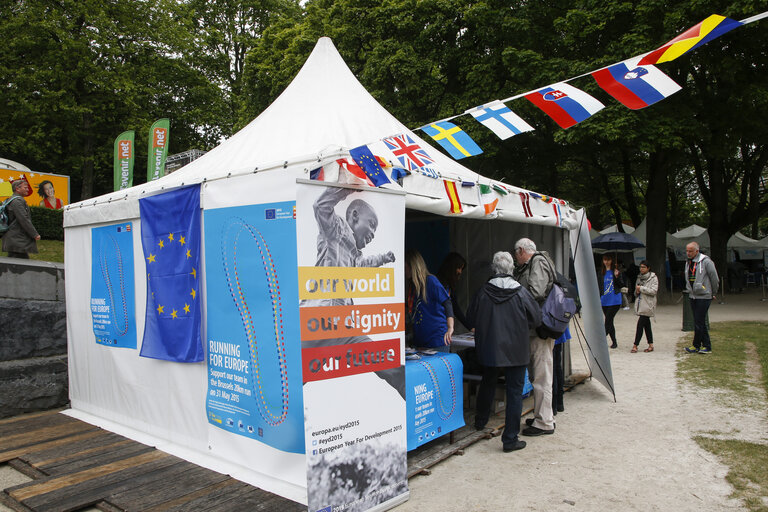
point(124, 153)
point(158, 149)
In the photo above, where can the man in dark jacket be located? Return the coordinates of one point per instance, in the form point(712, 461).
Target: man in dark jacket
point(503, 312)
point(21, 238)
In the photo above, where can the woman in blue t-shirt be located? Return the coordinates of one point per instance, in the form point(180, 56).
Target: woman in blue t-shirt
point(611, 281)
point(429, 305)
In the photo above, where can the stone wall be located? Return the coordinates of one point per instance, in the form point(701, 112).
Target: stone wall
point(33, 336)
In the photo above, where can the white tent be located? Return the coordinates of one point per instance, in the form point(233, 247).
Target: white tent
point(323, 113)
point(614, 229)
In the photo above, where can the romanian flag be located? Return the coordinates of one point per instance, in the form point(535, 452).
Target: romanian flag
point(453, 139)
point(488, 200)
point(698, 35)
point(453, 196)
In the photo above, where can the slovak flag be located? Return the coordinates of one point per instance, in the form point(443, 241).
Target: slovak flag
point(635, 86)
point(565, 104)
point(500, 120)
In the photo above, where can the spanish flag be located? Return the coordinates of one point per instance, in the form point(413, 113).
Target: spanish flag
point(453, 196)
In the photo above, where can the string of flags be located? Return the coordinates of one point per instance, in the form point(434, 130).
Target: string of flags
point(636, 83)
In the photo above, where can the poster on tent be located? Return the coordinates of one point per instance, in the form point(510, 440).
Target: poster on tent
point(113, 308)
point(350, 258)
point(254, 366)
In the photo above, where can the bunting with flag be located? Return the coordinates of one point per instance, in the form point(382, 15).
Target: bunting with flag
point(698, 35)
point(500, 120)
point(453, 196)
point(488, 200)
point(635, 86)
point(453, 139)
point(565, 104)
point(369, 164)
point(410, 155)
point(525, 199)
point(170, 237)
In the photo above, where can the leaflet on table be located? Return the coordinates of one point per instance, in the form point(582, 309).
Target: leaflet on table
point(434, 400)
point(254, 359)
point(113, 308)
point(350, 257)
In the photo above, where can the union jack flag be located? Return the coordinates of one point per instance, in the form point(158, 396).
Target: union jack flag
point(410, 154)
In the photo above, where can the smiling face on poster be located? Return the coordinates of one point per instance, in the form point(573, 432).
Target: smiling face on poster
point(350, 259)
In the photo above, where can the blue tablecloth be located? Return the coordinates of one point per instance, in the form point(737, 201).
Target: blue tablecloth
point(433, 397)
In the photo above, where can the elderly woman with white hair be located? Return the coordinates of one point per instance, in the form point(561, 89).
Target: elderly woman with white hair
point(502, 313)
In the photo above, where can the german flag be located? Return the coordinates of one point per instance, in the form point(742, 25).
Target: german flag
point(453, 196)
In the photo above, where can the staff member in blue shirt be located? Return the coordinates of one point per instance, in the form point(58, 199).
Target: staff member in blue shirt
point(429, 306)
point(611, 281)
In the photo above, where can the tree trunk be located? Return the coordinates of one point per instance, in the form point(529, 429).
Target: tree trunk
point(656, 222)
point(86, 190)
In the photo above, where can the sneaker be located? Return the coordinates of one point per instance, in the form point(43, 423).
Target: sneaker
point(529, 421)
point(517, 445)
point(692, 349)
point(705, 350)
point(535, 431)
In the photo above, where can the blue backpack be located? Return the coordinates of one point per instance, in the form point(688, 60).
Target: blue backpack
point(5, 221)
point(558, 308)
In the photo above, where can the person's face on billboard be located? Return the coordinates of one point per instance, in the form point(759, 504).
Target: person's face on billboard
point(48, 190)
point(364, 228)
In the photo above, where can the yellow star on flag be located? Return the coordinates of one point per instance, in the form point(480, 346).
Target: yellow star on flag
point(151, 258)
point(161, 244)
point(194, 273)
point(159, 309)
point(181, 240)
point(170, 237)
point(174, 314)
point(189, 254)
point(193, 293)
point(186, 308)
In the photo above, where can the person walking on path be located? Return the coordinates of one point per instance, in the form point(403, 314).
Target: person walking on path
point(535, 272)
point(21, 237)
point(503, 313)
point(702, 283)
point(646, 288)
point(611, 281)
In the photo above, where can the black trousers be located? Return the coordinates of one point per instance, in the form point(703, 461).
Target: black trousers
point(558, 378)
point(514, 377)
point(610, 312)
point(643, 324)
point(700, 332)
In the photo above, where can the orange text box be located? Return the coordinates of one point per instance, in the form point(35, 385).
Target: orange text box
point(331, 362)
point(324, 322)
point(345, 282)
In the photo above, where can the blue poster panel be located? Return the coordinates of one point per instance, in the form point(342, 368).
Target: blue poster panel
point(254, 356)
point(434, 397)
point(113, 308)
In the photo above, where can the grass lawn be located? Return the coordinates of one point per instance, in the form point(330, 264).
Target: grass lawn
point(725, 369)
point(50, 250)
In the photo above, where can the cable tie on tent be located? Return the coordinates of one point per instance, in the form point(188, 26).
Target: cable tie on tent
point(229, 174)
point(285, 165)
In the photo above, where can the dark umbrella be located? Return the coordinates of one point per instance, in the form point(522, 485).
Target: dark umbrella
point(616, 242)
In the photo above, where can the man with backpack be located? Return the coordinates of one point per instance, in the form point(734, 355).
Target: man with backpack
point(21, 237)
point(535, 271)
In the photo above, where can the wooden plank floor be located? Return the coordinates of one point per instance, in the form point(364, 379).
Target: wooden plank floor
point(76, 465)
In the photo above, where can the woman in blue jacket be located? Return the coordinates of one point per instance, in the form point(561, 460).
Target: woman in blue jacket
point(611, 281)
point(429, 305)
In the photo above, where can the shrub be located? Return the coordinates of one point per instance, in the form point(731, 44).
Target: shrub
point(49, 223)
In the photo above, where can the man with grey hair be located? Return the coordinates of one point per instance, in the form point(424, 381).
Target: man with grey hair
point(536, 272)
point(21, 237)
point(701, 281)
point(502, 311)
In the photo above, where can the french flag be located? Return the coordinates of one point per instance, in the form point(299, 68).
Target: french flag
point(635, 86)
point(565, 104)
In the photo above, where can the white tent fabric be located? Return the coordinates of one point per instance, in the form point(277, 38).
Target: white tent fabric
point(614, 228)
point(322, 114)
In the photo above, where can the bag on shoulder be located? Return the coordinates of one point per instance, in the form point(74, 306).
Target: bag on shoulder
point(558, 308)
point(5, 221)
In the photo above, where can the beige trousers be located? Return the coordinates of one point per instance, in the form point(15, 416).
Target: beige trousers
point(540, 372)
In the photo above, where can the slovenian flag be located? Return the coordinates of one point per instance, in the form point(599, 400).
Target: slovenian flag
point(500, 120)
point(698, 35)
point(635, 86)
point(453, 139)
point(565, 104)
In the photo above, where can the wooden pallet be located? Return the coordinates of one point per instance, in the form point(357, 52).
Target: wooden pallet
point(75, 465)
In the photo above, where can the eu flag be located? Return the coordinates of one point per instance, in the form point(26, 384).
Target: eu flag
point(367, 162)
point(170, 236)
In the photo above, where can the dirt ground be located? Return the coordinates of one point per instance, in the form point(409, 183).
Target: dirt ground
point(633, 454)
